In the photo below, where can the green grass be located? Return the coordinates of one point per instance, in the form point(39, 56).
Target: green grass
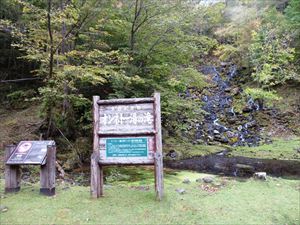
point(279, 149)
point(238, 201)
point(188, 150)
point(285, 149)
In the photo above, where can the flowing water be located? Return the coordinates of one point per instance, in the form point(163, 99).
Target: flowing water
point(241, 129)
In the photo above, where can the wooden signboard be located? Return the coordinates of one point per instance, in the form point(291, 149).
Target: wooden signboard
point(41, 153)
point(126, 132)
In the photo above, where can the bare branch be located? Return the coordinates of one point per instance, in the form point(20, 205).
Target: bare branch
point(19, 80)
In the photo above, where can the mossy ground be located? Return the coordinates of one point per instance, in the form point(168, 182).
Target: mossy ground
point(237, 201)
point(280, 148)
point(284, 149)
point(187, 150)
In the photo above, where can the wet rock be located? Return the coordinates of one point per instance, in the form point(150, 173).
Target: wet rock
point(3, 208)
point(172, 154)
point(186, 181)
point(231, 120)
point(247, 109)
point(235, 91)
point(230, 134)
point(221, 138)
point(260, 175)
point(216, 132)
point(251, 124)
point(227, 89)
point(208, 179)
point(210, 138)
point(224, 64)
point(221, 116)
point(180, 191)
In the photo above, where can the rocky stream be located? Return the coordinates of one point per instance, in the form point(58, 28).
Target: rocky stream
point(223, 124)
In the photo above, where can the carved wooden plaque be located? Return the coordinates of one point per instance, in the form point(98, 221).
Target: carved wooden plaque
point(126, 119)
point(126, 131)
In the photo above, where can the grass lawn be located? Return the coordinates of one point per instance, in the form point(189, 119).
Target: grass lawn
point(226, 201)
point(279, 149)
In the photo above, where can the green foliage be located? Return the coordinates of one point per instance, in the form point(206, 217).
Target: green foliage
point(259, 94)
point(293, 13)
point(81, 60)
point(9, 10)
point(102, 52)
point(226, 53)
point(121, 49)
point(18, 99)
point(161, 54)
point(270, 52)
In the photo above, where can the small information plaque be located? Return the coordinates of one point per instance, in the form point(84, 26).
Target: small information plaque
point(30, 152)
point(126, 147)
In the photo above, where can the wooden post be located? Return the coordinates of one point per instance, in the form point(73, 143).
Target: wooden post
point(158, 160)
point(12, 172)
point(96, 169)
point(96, 177)
point(47, 175)
point(101, 180)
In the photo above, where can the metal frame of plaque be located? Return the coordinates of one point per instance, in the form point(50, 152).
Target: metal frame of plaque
point(41, 153)
point(126, 132)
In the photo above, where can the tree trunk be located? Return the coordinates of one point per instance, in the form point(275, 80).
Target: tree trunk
point(50, 37)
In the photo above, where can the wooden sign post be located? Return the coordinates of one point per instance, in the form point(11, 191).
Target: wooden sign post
point(126, 132)
point(41, 153)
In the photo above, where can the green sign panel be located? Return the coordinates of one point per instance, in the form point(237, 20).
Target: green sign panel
point(126, 147)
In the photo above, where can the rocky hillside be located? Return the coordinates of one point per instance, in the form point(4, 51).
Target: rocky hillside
point(234, 118)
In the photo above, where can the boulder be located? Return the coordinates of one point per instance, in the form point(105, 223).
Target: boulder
point(186, 181)
point(208, 179)
point(3, 208)
point(260, 175)
point(172, 154)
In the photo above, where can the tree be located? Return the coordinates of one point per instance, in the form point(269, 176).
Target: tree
point(292, 14)
point(270, 52)
point(54, 37)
